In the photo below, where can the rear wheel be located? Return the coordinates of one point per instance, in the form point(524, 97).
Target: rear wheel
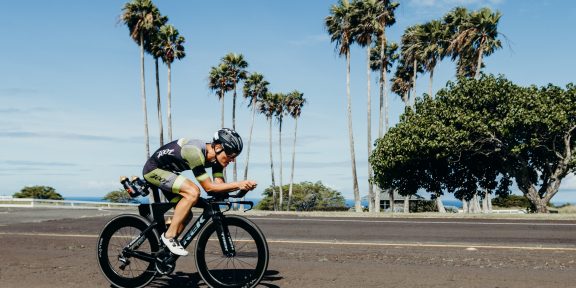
point(246, 268)
point(120, 269)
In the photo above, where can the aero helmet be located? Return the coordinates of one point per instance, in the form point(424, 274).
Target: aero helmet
point(230, 141)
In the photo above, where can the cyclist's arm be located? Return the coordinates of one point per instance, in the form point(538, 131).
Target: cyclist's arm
point(213, 186)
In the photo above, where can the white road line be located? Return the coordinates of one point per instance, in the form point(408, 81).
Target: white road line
point(307, 242)
point(416, 222)
point(423, 245)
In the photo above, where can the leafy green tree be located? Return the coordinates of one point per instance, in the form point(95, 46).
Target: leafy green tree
point(478, 135)
point(119, 196)
point(38, 192)
point(339, 27)
point(307, 196)
point(511, 201)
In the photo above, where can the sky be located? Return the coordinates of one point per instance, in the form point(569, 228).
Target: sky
point(71, 113)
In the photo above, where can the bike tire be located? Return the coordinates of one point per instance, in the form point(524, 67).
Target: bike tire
point(246, 269)
point(116, 235)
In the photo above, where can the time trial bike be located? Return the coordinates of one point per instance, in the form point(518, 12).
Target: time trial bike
point(230, 250)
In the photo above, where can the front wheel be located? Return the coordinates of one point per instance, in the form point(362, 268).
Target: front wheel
point(246, 268)
point(114, 251)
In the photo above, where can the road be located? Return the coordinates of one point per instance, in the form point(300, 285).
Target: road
point(56, 248)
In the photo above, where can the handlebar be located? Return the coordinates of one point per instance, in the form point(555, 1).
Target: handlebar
point(236, 195)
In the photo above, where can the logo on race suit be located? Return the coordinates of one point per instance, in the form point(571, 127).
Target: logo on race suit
point(165, 152)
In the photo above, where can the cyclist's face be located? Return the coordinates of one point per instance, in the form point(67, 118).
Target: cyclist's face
point(223, 158)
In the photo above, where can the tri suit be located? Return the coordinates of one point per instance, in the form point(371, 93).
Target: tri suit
point(163, 168)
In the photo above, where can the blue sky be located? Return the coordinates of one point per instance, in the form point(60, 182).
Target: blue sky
point(71, 114)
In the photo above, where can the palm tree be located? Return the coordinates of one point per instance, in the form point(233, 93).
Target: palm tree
point(475, 36)
point(364, 27)
point(386, 18)
point(281, 102)
point(402, 81)
point(255, 88)
point(218, 83)
point(376, 64)
point(237, 72)
point(412, 47)
point(153, 48)
point(141, 16)
point(340, 29)
point(295, 103)
point(172, 48)
point(435, 39)
point(268, 107)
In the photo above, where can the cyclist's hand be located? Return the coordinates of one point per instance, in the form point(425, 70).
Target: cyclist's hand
point(247, 185)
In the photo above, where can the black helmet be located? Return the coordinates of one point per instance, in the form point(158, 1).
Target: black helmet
point(230, 141)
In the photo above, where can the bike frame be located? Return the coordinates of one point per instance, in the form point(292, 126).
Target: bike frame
point(211, 210)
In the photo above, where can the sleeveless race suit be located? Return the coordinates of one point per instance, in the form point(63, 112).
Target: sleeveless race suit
point(165, 165)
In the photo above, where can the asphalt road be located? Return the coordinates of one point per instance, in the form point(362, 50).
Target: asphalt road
point(56, 248)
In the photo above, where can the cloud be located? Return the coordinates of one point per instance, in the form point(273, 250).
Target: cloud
point(10, 92)
point(65, 136)
point(34, 163)
point(22, 111)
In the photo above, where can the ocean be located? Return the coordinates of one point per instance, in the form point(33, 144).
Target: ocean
point(349, 202)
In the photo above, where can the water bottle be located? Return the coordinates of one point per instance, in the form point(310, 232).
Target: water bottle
point(131, 189)
point(140, 185)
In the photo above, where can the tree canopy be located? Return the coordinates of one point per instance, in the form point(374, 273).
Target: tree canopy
point(306, 196)
point(119, 196)
point(479, 134)
point(38, 192)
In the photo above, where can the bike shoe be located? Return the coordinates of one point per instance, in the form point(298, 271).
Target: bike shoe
point(174, 246)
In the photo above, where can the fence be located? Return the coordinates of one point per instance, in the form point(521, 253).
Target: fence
point(43, 203)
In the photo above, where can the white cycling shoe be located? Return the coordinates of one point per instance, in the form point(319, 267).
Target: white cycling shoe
point(174, 246)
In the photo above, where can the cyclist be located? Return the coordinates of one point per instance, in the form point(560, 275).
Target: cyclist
point(165, 165)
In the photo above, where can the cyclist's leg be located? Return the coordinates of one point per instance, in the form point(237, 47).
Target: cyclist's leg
point(178, 189)
point(190, 193)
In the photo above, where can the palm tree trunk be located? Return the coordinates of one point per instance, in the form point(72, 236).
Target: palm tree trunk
point(369, 132)
point(280, 144)
point(430, 83)
point(158, 103)
point(250, 139)
point(357, 205)
point(222, 119)
point(222, 109)
point(234, 126)
point(479, 64)
point(415, 65)
point(272, 166)
point(293, 160)
point(143, 90)
point(169, 102)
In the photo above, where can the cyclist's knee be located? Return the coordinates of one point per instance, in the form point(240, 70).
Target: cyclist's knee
point(190, 191)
